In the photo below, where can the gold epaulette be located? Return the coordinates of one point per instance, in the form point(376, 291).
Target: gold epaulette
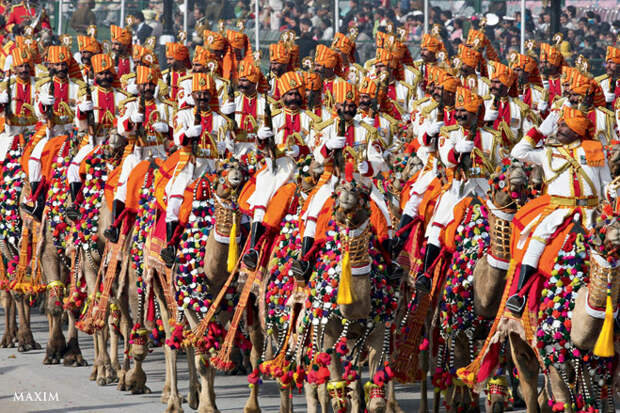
point(184, 78)
point(126, 77)
point(523, 106)
point(315, 118)
point(411, 88)
point(373, 134)
point(558, 103)
point(426, 110)
point(607, 111)
point(485, 80)
point(128, 100)
point(165, 72)
point(389, 118)
point(167, 102)
point(42, 81)
point(3, 86)
point(445, 130)
point(492, 131)
point(359, 67)
point(600, 78)
point(124, 92)
point(275, 112)
point(369, 63)
point(319, 126)
point(539, 89)
point(272, 101)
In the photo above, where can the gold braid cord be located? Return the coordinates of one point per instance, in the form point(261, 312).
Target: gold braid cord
point(597, 288)
point(500, 238)
point(108, 280)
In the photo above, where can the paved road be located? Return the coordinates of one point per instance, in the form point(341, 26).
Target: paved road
point(24, 372)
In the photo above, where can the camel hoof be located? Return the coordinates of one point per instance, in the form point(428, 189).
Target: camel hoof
point(101, 381)
point(22, 348)
point(174, 405)
point(93, 374)
point(7, 341)
point(251, 410)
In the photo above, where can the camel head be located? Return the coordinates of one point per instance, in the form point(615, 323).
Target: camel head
point(537, 180)
point(352, 202)
point(614, 161)
point(403, 167)
point(232, 176)
point(509, 186)
point(310, 175)
point(606, 232)
point(114, 146)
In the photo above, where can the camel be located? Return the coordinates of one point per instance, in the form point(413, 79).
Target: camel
point(226, 189)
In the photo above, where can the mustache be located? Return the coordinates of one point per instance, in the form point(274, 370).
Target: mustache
point(461, 117)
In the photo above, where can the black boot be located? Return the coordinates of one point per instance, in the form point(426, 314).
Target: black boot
point(401, 240)
point(516, 303)
point(36, 210)
point(250, 259)
point(423, 282)
point(302, 268)
point(169, 253)
point(113, 232)
point(73, 211)
point(395, 272)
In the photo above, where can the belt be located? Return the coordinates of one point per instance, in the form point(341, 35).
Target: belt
point(590, 202)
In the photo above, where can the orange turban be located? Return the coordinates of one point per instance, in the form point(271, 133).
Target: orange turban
point(177, 51)
point(469, 56)
point(289, 81)
point(345, 92)
point(202, 55)
point(584, 85)
point(504, 74)
point(88, 44)
point(203, 82)
point(62, 54)
point(143, 56)
point(278, 53)
point(21, 56)
point(369, 87)
point(120, 35)
point(527, 64)
point(344, 44)
point(387, 58)
point(467, 100)
point(146, 74)
point(448, 82)
point(312, 81)
point(431, 43)
point(613, 54)
point(568, 73)
point(102, 62)
point(551, 54)
point(238, 40)
point(578, 122)
point(249, 71)
point(479, 41)
point(214, 40)
point(326, 57)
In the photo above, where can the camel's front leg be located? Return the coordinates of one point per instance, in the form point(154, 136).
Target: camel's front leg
point(25, 340)
point(73, 354)
point(257, 338)
point(527, 366)
point(10, 332)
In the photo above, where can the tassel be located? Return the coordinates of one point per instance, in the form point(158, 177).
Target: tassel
point(232, 246)
point(344, 287)
point(604, 346)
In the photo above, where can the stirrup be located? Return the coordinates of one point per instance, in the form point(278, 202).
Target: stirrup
point(73, 213)
point(250, 259)
point(516, 304)
point(169, 255)
point(423, 284)
point(112, 234)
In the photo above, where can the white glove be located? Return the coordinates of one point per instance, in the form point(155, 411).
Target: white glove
point(86, 106)
point(549, 125)
point(4, 97)
point(545, 84)
point(193, 131)
point(228, 108)
point(132, 88)
point(464, 146)
point(137, 117)
point(337, 142)
point(542, 106)
point(47, 99)
point(264, 133)
point(161, 127)
point(221, 147)
point(293, 151)
point(609, 96)
point(433, 129)
point(230, 145)
point(490, 115)
point(362, 167)
point(190, 100)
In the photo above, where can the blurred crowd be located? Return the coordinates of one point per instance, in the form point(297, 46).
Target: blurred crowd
point(584, 32)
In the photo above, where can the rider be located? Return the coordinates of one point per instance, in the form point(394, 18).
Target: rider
point(576, 173)
point(177, 57)
point(143, 121)
point(327, 63)
point(121, 45)
point(202, 134)
point(610, 81)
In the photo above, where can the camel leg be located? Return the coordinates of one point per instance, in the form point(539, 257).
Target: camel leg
point(560, 391)
point(10, 332)
point(73, 354)
point(207, 374)
point(193, 396)
point(93, 373)
point(527, 366)
point(312, 400)
point(392, 404)
point(323, 396)
point(257, 339)
point(103, 358)
point(375, 346)
point(56, 344)
point(114, 332)
point(25, 340)
point(125, 330)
